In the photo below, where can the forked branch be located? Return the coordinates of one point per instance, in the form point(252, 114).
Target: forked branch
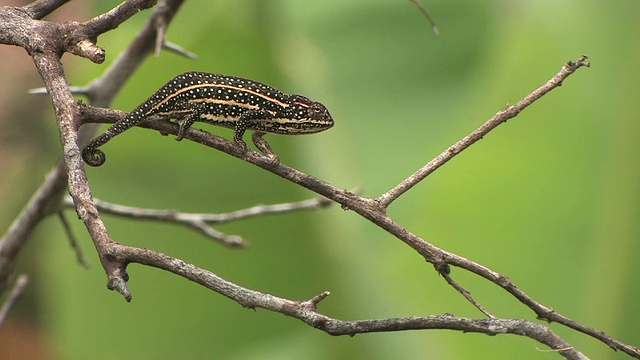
point(374, 209)
point(202, 222)
point(501, 117)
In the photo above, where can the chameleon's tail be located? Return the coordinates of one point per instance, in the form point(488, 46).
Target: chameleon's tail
point(96, 157)
point(91, 154)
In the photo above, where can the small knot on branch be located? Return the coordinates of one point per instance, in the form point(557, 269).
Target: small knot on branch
point(312, 304)
point(573, 66)
point(118, 281)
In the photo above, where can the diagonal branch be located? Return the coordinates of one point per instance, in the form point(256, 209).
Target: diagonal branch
point(499, 118)
point(426, 13)
point(466, 294)
point(18, 287)
point(41, 8)
point(73, 242)
point(116, 16)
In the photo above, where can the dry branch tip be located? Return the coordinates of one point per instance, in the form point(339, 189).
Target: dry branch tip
point(118, 282)
point(582, 61)
point(175, 48)
point(312, 304)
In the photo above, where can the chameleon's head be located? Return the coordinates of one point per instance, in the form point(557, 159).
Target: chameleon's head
point(308, 116)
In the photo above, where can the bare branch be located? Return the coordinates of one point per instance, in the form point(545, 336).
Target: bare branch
point(201, 221)
point(306, 310)
point(181, 217)
point(15, 29)
point(426, 13)
point(467, 295)
point(103, 90)
point(73, 242)
point(46, 42)
point(177, 49)
point(112, 19)
point(18, 287)
point(499, 118)
point(375, 209)
point(42, 204)
point(41, 8)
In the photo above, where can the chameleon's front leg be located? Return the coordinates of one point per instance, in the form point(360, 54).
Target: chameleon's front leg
point(238, 133)
point(264, 147)
point(244, 123)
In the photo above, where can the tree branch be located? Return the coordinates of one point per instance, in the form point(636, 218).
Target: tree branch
point(17, 29)
point(501, 117)
point(73, 242)
point(306, 310)
point(41, 8)
point(18, 287)
point(374, 209)
point(202, 222)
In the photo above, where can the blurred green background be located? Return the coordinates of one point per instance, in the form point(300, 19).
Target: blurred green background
point(549, 199)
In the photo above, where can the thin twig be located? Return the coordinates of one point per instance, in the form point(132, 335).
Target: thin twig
point(18, 287)
point(501, 117)
point(201, 221)
point(177, 49)
point(426, 13)
point(466, 294)
point(184, 217)
point(73, 242)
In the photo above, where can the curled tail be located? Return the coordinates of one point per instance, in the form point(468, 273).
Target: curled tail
point(96, 157)
point(91, 154)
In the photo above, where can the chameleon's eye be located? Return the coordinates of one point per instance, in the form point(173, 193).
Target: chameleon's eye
point(310, 116)
point(309, 109)
point(317, 111)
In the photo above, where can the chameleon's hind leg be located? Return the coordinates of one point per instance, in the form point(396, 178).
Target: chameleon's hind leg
point(185, 123)
point(186, 114)
point(247, 121)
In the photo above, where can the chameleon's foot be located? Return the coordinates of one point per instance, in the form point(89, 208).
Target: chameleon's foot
point(181, 131)
point(185, 124)
point(264, 147)
point(242, 144)
point(275, 160)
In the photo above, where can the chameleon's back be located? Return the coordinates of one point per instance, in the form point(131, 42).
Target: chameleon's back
point(221, 99)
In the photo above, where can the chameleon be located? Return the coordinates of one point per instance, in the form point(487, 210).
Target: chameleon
point(228, 101)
